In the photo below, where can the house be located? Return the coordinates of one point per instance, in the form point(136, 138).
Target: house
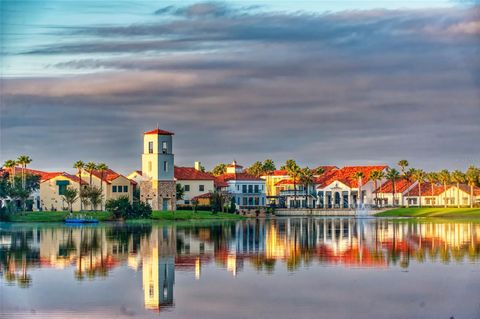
point(53, 187)
point(290, 194)
point(195, 183)
point(112, 184)
point(248, 190)
point(449, 196)
point(338, 188)
point(271, 180)
point(384, 195)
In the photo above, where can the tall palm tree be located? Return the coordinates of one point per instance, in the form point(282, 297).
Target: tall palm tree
point(293, 170)
point(444, 177)
point(472, 176)
point(79, 165)
point(307, 179)
point(432, 178)
point(90, 167)
point(375, 176)
point(419, 177)
point(359, 177)
point(393, 175)
point(458, 177)
point(10, 164)
point(24, 160)
point(102, 168)
point(403, 164)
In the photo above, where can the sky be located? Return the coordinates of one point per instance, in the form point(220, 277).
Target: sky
point(323, 82)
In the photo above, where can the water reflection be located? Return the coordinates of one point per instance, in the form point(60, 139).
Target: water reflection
point(265, 245)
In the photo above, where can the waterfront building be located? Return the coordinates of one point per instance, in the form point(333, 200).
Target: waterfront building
point(195, 183)
point(452, 196)
point(248, 190)
point(339, 189)
point(113, 184)
point(158, 188)
point(53, 187)
point(387, 195)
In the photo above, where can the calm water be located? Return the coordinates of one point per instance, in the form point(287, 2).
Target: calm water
point(284, 268)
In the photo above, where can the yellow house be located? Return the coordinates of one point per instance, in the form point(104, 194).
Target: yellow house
point(113, 184)
point(52, 188)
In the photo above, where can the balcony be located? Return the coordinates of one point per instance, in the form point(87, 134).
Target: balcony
point(292, 193)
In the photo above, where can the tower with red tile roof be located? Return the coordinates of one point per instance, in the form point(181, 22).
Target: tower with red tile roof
point(158, 189)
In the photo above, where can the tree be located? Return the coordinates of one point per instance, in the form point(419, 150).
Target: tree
point(219, 169)
point(444, 177)
point(458, 177)
point(375, 176)
point(403, 164)
point(218, 200)
point(70, 197)
point(24, 160)
point(79, 166)
point(359, 177)
point(419, 176)
point(472, 177)
point(268, 166)
point(306, 178)
point(90, 167)
point(393, 175)
point(180, 191)
point(94, 195)
point(102, 168)
point(293, 171)
point(256, 169)
point(10, 164)
point(432, 178)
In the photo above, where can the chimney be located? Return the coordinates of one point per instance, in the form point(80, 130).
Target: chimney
point(198, 165)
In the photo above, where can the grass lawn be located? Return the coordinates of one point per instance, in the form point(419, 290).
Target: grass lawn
point(190, 215)
point(47, 216)
point(450, 212)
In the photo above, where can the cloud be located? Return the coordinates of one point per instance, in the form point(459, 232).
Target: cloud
point(352, 87)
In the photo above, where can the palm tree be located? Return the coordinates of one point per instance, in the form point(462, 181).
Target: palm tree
point(393, 175)
point(359, 176)
point(402, 164)
point(70, 197)
point(306, 179)
point(444, 178)
point(79, 165)
point(458, 177)
point(10, 164)
point(375, 176)
point(432, 178)
point(102, 168)
point(293, 170)
point(90, 167)
point(472, 176)
point(24, 160)
point(419, 177)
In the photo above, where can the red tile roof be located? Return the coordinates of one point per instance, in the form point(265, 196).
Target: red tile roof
point(401, 186)
point(220, 183)
point(278, 172)
point(108, 175)
point(427, 190)
point(45, 176)
point(238, 176)
point(345, 175)
point(158, 131)
point(206, 195)
point(190, 173)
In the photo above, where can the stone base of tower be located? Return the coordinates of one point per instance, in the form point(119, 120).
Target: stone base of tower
point(161, 195)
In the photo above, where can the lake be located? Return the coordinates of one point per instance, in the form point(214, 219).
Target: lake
point(278, 268)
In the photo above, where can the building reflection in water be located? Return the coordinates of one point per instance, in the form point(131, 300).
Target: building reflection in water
point(264, 244)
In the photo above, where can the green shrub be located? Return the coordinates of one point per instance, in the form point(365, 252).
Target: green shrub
point(121, 208)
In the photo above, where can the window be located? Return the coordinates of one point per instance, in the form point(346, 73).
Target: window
point(238, 187)
point(125, 189)
point(165, 166)
point(256, 189)
point(114, 188)
point(186, 188)
point(150, 147)
point(187, 202)
point(244, 201)
point(244, 188)
point(164, 147)
point(250, 189)
point(201, 188)
point(62, 187)
point(257, 201)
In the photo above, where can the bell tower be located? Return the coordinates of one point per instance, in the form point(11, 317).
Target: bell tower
point(158, 169)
